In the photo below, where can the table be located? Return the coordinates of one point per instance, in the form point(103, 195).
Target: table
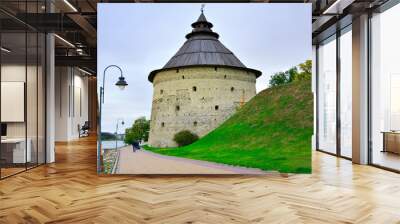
point(13, 150)
point(391, 141)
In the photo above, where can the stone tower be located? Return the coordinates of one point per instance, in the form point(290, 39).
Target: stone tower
point(199, 88)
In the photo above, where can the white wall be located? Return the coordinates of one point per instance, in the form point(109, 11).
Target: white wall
point(71, 102)
point(33, 125)
point(16, 73)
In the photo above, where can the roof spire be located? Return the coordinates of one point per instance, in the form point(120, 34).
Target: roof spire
point(202, 8)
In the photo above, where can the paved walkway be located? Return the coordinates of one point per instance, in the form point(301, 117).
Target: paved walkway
point(146, 162)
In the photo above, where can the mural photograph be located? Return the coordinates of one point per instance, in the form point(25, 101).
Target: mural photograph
point(204, 89)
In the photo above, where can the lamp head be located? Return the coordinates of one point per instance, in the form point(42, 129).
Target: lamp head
point(121, 83)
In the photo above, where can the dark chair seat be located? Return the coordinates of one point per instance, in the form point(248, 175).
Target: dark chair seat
point(84, 130)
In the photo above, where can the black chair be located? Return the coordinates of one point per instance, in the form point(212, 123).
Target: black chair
point(84, 130)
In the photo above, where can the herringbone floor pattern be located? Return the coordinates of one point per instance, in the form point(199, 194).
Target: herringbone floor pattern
point(69, 191)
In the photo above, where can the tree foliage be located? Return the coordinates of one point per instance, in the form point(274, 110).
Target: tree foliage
point(305, 71)
point(107, 136)
point(278, 79)
point(300, 72)
point(138, 132)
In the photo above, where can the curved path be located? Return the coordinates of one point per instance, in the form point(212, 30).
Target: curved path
point(146, 162)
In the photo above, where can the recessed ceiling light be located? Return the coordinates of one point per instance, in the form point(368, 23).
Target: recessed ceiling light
point(64, 40)
point(70, 5)
point(338, 6)
point(84, 71)
point(5, 50)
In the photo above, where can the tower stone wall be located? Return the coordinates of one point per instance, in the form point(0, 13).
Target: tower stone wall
point(197, 99)
point(201, 86)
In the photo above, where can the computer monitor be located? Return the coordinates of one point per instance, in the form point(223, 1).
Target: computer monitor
point(3, 129)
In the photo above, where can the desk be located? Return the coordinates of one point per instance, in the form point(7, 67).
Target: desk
point(13, 150)
point(391, 141)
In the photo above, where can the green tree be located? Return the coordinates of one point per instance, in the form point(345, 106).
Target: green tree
point(139, 131)
point(281, 78)
point(278, 79)
point(291, 74)
point(305, 70)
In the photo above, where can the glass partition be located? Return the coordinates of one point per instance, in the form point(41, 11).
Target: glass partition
point(385, 89)
point(327, 95)
point(13, 95)
point(22, 101)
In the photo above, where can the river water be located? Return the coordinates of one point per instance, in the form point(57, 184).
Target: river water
point(111, 144)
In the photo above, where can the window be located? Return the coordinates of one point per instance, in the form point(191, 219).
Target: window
point(346, 93)
point(177, 108)
point(195, 123)
point(162, 124)
point(232, 89)
point(327, 95)
point(216, 107)
point(385, 88)
point(194, 88)
point(334, 58)
point(215, 68)
point(161, 91)
point(183, 77)
point(177, 71)
point(224, 76)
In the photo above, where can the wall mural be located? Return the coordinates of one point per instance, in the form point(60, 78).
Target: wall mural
point(192, 105)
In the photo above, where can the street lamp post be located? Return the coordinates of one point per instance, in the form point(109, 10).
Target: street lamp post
point(116, 131)
point(121, 83)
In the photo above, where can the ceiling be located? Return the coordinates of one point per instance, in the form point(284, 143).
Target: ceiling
point(75, 22)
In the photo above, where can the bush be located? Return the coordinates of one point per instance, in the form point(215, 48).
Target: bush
point(185, 137)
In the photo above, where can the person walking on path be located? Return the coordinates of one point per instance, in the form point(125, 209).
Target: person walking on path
point(135, 146)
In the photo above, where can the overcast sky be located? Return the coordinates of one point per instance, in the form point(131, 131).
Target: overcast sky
point(143, 37)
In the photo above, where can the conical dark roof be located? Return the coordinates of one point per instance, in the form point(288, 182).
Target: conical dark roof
point(202, 47)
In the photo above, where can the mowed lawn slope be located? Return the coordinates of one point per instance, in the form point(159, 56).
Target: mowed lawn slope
point(271, 132)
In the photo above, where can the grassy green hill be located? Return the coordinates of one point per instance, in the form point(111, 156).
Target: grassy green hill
point(271, 132)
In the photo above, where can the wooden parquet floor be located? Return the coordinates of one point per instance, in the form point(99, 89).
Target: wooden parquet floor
point(69, 191)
